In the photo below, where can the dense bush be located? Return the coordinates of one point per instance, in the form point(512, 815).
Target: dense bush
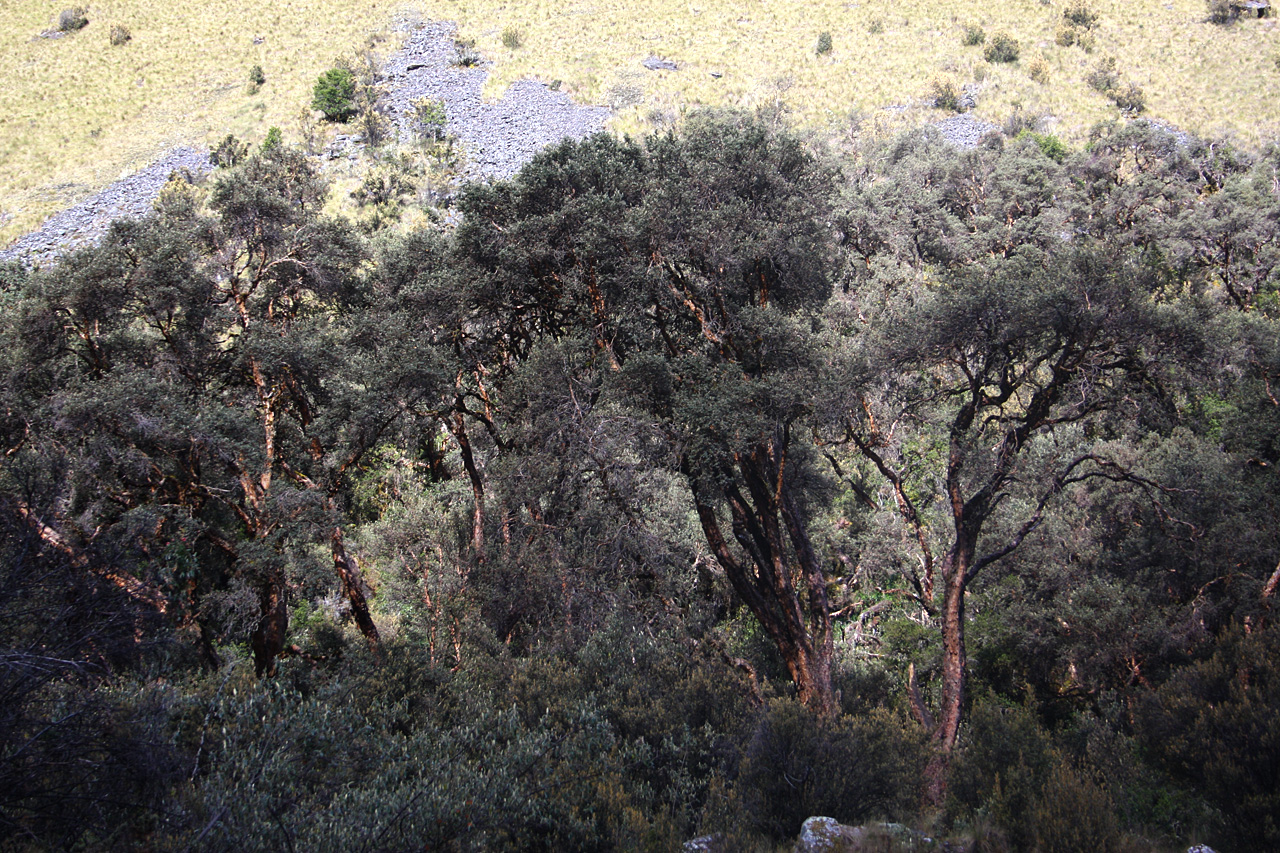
point(72, 19)
point(120, 35)
point(1080, 15)
point(824, 43)
point(511, 38)
point(334, 94)
point(256, 79)
point(945, 95)
point(465, 54)
point(1002, 48)
point(795, 765)
point(1223, 11)
point(973, 35)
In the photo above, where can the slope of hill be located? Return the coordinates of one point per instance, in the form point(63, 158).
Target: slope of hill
point(80, 111)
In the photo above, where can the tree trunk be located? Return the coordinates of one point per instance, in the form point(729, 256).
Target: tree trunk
point(764, 579)
point(353, 585)
point(954, 671)
point(268, 638)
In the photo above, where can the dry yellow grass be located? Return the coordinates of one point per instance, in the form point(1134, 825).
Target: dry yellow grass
point(76, 112)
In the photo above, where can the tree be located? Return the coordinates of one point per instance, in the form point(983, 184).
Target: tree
point(205, 380)
point(335, 94)
point(695, 266)
point(993, 352)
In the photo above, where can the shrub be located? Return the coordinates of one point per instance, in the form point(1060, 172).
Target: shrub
point(1131, 98)
point(1002, 48)
point(465, 54)
point(1074, 814)
point(273, 140)
point(1220, 12)
point(75, 18)
point(1080, 15)
point(334, 94)
point(120, 35)
point(1104, 77)
point(1038, 70)
point(511, 38)
point(1066, 35)
point(876, 27)
point(1052, 147)
point(798, 765)
point(945, 95)
point(229, 152)
point(974, 35)
point(256, 78)
point(824, 43)
point(430, 119)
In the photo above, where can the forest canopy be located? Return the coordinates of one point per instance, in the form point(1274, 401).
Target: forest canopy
point(690, 485)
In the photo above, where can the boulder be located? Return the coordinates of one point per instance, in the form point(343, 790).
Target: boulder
point(655, 63)
point(827, 835)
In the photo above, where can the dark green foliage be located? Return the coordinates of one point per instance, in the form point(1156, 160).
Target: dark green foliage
point(120, 35)
point(824, 43)
point(72, 19)
point(272, 141)
point(1001, 48)
point(334, 94)
point(795, 765)
point(256, 79)
point(511, 38)
point(578, 447)
point(1215, 726)
point(974, 35)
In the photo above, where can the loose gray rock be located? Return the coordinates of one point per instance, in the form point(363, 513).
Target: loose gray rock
point(655, 63)
point(964, 131)
point(85, 223)
point(498, 138)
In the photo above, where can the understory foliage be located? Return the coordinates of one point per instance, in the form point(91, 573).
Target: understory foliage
point(689, 485)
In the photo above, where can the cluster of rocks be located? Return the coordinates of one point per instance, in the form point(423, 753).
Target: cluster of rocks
point(85, 223)
point(964, 131)
point(827, 835)
point(498, 138)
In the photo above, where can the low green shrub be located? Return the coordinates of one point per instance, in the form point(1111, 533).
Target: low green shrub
point(256, 79)
point(876, 27)
point(229, 152)
point(430, 119)
point(334, 94)
point(511, 38)
point(1002, 48)
point(75, 18)
point(945, 95)
point(973, 35)
point(1080, 15)
point(465, 54)
point(120, 35)
point(1104, 77)
point(273, 140)
point(824, 43)
point(1131, 99)
point(1052, 147)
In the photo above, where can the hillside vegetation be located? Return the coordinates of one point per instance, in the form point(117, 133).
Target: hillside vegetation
point(76, 111)
point(693, 484)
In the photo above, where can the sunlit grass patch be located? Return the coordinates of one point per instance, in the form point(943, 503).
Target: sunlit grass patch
point(77, 112)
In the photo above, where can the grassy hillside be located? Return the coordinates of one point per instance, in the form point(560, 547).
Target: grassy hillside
point(77, 111)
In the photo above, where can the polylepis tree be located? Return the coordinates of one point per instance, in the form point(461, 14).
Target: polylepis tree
point(205, 376)
point(695, 265)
